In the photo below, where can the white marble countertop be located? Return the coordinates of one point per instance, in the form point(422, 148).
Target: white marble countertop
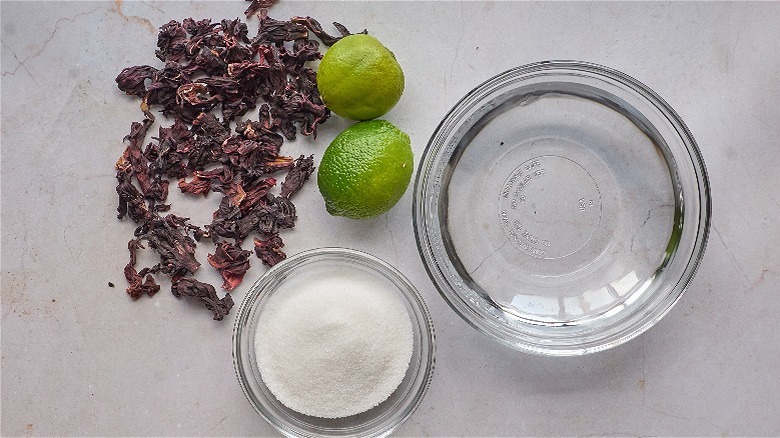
point(81, 358)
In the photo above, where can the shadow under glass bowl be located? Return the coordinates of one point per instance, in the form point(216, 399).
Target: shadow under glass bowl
point(561, 208)
point(376, 422)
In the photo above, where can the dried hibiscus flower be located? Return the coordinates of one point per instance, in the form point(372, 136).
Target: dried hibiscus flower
point(232, 262)
point(212, 75)
point(205, 293)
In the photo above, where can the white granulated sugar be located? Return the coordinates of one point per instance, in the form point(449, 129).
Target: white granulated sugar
point(333, 342)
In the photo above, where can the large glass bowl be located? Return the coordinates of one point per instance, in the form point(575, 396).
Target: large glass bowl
point(376, 422)
point(561, 208)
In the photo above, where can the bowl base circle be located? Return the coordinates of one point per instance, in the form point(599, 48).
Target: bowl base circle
point(549, 207)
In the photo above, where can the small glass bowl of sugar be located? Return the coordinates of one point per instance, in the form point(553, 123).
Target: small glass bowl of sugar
point(334, 342)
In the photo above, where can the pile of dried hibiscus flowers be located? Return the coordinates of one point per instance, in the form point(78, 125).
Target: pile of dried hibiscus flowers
point(210, 67)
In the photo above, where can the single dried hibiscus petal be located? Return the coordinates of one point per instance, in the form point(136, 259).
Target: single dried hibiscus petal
point(232, 262)
point(301, 171)
point(269, 250)
point(137, 284)
point(205, 293)
point(257, 6)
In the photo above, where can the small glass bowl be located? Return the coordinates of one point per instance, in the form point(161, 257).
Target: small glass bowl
point(561, 208)
point(376, 422)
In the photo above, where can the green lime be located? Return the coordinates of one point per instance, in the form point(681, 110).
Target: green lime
point(365, 170)
point(359, 78)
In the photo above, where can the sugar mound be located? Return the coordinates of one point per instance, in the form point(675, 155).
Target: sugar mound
point(333, 343)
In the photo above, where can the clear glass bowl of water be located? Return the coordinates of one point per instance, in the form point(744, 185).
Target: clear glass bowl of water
point(378, 421)
point(561, 208)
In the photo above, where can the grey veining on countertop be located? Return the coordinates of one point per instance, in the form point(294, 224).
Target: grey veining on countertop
point(80, 358)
